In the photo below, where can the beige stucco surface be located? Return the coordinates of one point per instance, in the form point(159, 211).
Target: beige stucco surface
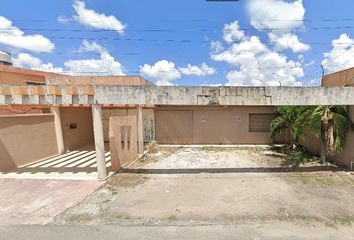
point(82, 135)
point(222, 125)
point(24, 139)
point(347, 155)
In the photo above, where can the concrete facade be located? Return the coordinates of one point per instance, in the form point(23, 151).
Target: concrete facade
point(24, 139)
point(212, 125)
point(225, 96)
point(77, 127)
point(158, 95)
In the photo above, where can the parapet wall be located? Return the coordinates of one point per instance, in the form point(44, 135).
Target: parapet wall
point(187, 96)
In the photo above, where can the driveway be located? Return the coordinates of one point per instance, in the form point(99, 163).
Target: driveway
point(29, 201)
point(207, 185)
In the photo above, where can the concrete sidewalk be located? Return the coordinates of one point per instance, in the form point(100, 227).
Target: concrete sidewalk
point(39, 201)
point(270, 231)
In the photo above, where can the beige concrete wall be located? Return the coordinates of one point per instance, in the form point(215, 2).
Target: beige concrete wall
point(24, 139)
point(311, 143)
point(347, 155)
point(226, 125)
point(82, 135)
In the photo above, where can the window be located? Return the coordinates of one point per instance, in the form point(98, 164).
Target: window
point(260, 122)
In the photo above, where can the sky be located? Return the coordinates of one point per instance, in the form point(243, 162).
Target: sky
point(183, 42)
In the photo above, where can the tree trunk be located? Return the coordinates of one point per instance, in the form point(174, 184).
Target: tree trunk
point(324, 140)
point(330, 140)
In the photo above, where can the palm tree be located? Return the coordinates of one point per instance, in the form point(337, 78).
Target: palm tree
point(290, 118)
point(331, 124)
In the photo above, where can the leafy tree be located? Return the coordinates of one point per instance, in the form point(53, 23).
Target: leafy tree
point(331, 124)
point(292, 118)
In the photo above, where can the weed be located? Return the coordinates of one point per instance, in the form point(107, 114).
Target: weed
point(298, 155)
point(211, 149)
point(344, 219)
point(325, 181)
point(304, 179)
point(172, 218)
point(123, 216)
point(304, 218)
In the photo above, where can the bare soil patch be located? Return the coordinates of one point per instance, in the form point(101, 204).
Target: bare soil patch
point(216, 185)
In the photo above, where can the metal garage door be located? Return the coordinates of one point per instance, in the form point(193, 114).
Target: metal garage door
point(174, 127)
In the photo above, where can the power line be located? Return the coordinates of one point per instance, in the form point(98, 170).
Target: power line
point(202, 20)
point(138, 54)
point(176, 30)
point(167, 40)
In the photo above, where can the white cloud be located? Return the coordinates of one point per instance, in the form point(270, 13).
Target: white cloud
point(216, 46)
point(281, 18)
point(258, 65)
point(90, 18)
point(232, 32)
point(199, 71)
point(87, 46)
point(342, 54)
point(212, 84)
point(64, 19)
point(163, 70)
point(15, 37)
point(277, 14)
point(105, 65)
point(26, 60)
point(288, 41)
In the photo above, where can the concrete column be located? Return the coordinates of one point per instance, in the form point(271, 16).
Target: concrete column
point(99, 141)
point(58, 129)
point(140, 130)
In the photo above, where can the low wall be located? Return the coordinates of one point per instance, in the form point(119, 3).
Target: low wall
point(24, 139)
point(77, 127)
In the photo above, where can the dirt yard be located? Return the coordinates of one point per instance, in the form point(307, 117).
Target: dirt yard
point(211, 185)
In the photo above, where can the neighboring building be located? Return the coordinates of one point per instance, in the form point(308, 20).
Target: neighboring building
point(185, 115)
point(20, 76)
point(339, 79)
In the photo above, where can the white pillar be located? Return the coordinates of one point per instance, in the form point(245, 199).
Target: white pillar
point(99, 141)
point(58, 129)
point(140, 130)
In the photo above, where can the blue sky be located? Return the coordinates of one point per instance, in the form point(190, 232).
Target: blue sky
point(273, 41)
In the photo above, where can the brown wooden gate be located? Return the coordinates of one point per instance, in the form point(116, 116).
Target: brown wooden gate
point(122, 141)
point(174, 127)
